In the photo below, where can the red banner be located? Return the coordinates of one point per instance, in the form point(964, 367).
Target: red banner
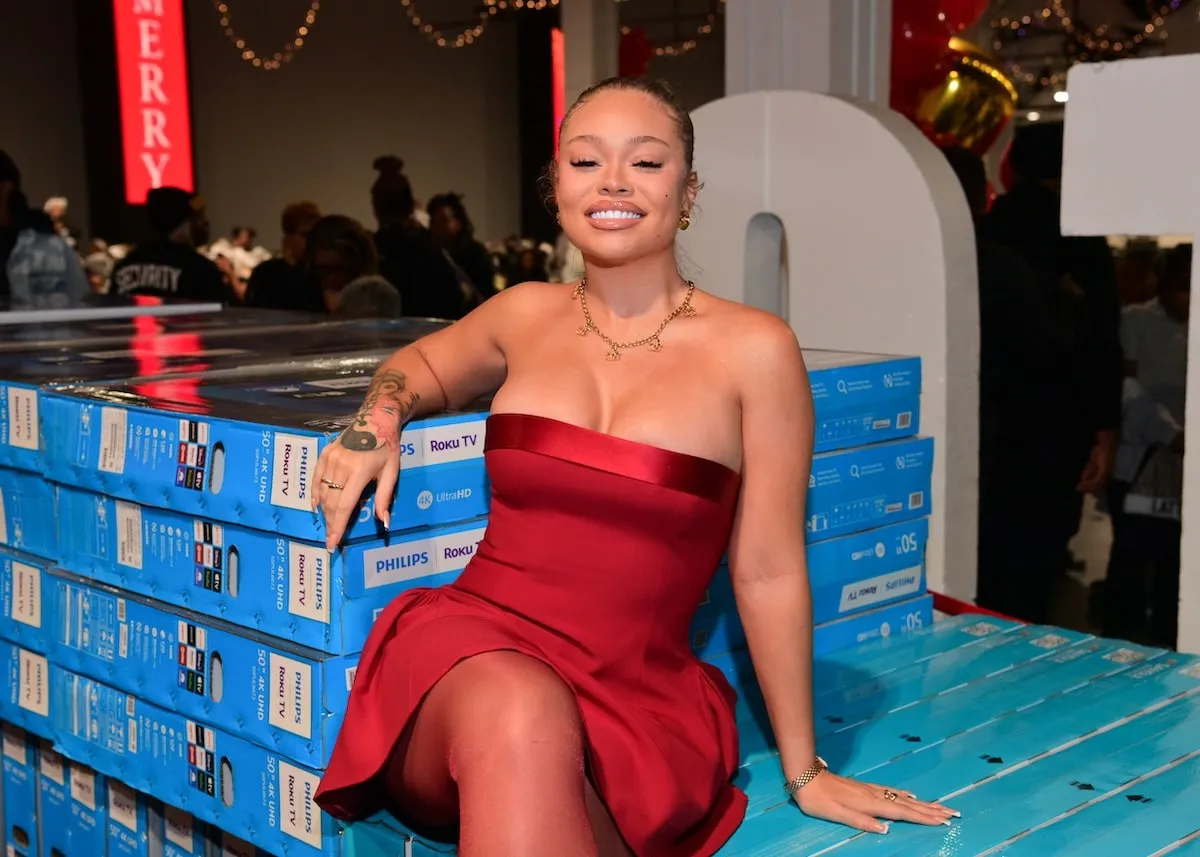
point(558, 72)
point(156, 127)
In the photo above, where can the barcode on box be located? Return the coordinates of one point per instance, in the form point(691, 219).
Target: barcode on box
point(904, 420)
point(129, 535)
point(120, 609)
point(916, 500)
point(114, 426)
point(129, 704)
point(123, 641)
point(133, 737)
point(1125, 656)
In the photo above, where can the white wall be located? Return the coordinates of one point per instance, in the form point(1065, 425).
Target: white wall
point(41, 122)
point(365, 84)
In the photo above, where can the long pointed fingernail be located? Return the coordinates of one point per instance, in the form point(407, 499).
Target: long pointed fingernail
point(955, 813)
point(884, 828)
point(946, 822)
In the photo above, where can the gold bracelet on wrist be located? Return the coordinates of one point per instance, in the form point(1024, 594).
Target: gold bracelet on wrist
point(794, 785)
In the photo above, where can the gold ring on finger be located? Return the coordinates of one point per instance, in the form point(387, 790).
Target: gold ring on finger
point(888, 794)
point(336, 486)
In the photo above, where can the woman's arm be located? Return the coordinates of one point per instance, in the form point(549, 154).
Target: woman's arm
point(448, 368)
point(766, 552)
point(770, 578)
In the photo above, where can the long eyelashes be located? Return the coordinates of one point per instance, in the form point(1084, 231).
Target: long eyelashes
point(645, 165)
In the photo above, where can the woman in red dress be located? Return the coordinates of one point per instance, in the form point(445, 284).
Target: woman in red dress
point(547, 703)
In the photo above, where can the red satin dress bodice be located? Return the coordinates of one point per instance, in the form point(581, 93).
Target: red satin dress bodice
point(597, 552)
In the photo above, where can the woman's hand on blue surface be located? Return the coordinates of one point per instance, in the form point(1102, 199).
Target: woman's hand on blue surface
point(862, 805)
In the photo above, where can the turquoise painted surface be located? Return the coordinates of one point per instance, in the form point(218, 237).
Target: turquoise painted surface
point(1048, 741)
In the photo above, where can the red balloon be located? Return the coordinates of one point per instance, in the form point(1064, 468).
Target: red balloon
point(918, 18)
point(634, 53)
point(958, 15)
point(918, 62)
point(920, 41)
point(919, 59)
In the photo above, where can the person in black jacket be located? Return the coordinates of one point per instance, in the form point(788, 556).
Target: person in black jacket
point(1078, 276)
point(453, 233)
point(1017, 343)
point(426, 279)
point(279, 283)
point(169, 266)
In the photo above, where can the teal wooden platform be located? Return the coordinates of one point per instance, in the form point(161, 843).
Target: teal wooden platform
point(1050, 742)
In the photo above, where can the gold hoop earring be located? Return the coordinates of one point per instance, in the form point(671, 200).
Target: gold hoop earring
point(684, 220)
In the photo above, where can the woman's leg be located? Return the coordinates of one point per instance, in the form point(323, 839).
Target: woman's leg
point(608, 839)
point(497, 746)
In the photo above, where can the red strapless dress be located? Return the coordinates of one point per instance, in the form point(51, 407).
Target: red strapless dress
point(597, 552)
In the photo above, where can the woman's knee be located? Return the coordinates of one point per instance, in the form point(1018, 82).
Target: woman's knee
point(516, 707)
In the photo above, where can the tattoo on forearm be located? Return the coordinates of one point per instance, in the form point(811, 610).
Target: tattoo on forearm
point(387, 406)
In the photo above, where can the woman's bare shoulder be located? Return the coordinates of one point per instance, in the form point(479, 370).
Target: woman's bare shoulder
point(753, 330)
point(516, 306)
point(530, 296)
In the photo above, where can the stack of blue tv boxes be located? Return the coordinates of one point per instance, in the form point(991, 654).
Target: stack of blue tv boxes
point(866, 522)
point(53, 805)
point(172, 619)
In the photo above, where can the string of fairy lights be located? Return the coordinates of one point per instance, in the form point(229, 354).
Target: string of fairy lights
point(1081, 41)
point(459, 35)
point(267, 62)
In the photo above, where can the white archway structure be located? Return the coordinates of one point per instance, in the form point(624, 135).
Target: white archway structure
point(1129, 169)
point(868, 246)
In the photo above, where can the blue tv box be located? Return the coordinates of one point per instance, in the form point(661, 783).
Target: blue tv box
point(151, 355)
point(218, 843)
point(217, 776)
point(858, 489)
point(182, 835)
point(19, 793)
point(259, 580)
point(89, 814)
point(846, 575)
point(25, 701)
point(862, 398)
point(54, 804)
point(26, 620)
point(27, 513)
point(245, 449)
point(272, 693)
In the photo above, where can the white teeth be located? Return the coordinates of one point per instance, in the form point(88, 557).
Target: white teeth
point(615, 215)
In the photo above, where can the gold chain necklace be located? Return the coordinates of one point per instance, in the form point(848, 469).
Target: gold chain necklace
point(653, 341)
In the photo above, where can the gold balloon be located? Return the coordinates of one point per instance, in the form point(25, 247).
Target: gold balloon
point(971, 105)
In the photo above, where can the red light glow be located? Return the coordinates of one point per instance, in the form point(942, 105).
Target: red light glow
point(558, 66)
